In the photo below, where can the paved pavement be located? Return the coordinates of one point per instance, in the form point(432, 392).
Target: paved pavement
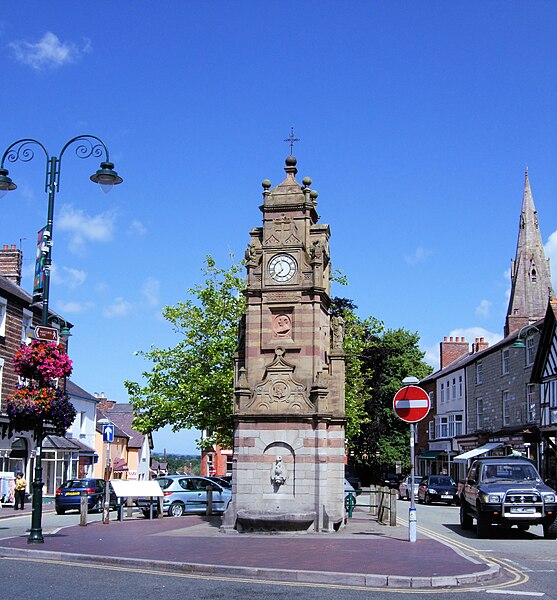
point(364, 553)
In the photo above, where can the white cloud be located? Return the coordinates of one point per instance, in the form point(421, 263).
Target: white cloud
point(469, 334)
point(119, 308)
point(84, 228)
point(74, 307)
point(137, 228)
point(151, 290)
point(483, 308)
point(421, 254)
point(49, 52)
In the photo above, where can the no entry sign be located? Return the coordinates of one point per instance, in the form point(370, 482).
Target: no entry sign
point(411, 403)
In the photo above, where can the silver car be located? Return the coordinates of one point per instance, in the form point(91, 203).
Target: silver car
point(404, 488)
point(187, 494)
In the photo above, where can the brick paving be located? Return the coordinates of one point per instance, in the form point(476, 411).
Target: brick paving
point(363, 547)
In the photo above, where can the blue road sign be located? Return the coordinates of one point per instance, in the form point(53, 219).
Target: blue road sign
point(108, 433)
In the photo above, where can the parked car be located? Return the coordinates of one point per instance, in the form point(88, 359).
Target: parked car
point(226, 483)
point(392, 481)
point(437, 488)
point(68, 495)
point(187, 494)
point(507, 491)
point(404, 488)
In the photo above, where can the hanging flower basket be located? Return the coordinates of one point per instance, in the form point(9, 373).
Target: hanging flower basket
point(29, 406)
point(42, 362)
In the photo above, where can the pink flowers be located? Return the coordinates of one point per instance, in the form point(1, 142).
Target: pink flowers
point(40, 400)
point(42, 361)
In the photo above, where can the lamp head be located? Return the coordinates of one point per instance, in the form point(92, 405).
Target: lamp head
point(106, 177)
point(6, 184)
point(518, 344)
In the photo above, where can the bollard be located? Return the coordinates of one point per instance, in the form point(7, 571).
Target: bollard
point(83, 508)
point(392, 516)
point(129, 508)
point(159, 507)
point(209, 490)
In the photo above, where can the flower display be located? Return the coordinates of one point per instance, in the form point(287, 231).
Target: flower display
point(29, 406)
point(40, 400)
point(42, 362)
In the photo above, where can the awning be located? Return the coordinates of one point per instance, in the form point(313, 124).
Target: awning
point(431, 454)
point(119, 465)
point(477, 451)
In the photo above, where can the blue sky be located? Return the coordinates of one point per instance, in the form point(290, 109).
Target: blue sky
point(416, 120)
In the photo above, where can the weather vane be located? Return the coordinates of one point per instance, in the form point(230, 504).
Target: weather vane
point(291, 139)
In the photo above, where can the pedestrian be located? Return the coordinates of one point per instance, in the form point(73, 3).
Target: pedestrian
point(20, 485)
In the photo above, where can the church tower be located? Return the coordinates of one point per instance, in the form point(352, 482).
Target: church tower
point(289, 414)
point(531, 285)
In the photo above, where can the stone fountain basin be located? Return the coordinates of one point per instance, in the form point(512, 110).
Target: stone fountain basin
point(248, 521)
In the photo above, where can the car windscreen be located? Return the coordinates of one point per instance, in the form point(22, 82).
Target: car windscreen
point(79, 483)
point(441, 481)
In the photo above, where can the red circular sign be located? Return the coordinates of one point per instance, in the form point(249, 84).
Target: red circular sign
point(411, 403)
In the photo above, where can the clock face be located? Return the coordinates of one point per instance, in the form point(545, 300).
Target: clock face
point(282, 267)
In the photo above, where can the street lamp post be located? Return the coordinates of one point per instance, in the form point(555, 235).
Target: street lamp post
point(23, 150)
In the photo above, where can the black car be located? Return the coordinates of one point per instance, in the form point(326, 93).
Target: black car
point(437, 488)
point(391, 480)
point(68, 495)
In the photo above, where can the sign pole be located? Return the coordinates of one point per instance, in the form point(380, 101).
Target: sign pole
point(411, 404)
point(412, 520)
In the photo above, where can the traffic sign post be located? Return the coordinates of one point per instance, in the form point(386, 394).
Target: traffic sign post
point(46, 334)
point(108, 433)
point(411, 404)
point(108, 438)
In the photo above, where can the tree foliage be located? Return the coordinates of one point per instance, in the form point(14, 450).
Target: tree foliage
point(377, 360)
point(191, 384)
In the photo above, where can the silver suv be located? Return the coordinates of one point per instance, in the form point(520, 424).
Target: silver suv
point(507, 491)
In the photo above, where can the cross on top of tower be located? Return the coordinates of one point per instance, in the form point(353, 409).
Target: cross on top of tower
point(291, 139)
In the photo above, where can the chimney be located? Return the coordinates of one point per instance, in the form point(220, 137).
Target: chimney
point(451, 349)
point(104, 404)
point(10, 263)
point(479, 345)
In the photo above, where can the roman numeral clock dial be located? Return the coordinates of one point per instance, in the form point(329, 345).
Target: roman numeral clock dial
point(282, 268)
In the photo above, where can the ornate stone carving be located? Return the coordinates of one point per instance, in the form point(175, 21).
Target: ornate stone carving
point(278, 473)
point(337, 327)
point(279, 392)
point(282, 231)
point(282, 326)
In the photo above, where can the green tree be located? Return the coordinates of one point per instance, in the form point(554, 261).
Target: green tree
point(191, 384)
point(377, 360)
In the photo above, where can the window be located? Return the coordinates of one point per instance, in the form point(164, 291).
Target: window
point(479, 372)
point(460, 387)
point(455, 425)
point(505, 369)
point(531, 402)
point(506, 409)
point(431, 425)
point(479, 413)
point(442, 427)
point(26, 326)
point(442, 394)
point(530, 351)
point(454, 388)
point(3, 313)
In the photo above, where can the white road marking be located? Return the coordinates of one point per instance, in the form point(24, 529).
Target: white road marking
point(514, 593)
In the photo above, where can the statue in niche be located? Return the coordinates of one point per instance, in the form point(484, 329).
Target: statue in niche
point(337, 326)
point(251, 255)
point(282, 325)
point(278, 473)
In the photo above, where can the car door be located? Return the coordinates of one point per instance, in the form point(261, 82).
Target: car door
point(194, 495)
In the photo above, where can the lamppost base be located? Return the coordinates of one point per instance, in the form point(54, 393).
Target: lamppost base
point(35, 537)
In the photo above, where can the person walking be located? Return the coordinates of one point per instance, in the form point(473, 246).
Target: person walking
point(20, 485)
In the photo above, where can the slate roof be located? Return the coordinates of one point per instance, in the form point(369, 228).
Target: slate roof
point(122, 416)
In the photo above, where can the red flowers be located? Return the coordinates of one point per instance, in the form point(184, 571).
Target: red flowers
point(40, 400)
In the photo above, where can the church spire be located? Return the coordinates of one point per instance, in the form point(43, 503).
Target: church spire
point(530, 273)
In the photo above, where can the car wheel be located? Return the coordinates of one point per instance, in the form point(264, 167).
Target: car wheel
point(483, 525)
point(60, 511)
point(176, 510)
point(465, 518)
point(145, 512)
point(550, 531)
point(98, 506)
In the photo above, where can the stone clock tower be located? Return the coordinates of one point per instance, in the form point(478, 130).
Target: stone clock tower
point(289, 412)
